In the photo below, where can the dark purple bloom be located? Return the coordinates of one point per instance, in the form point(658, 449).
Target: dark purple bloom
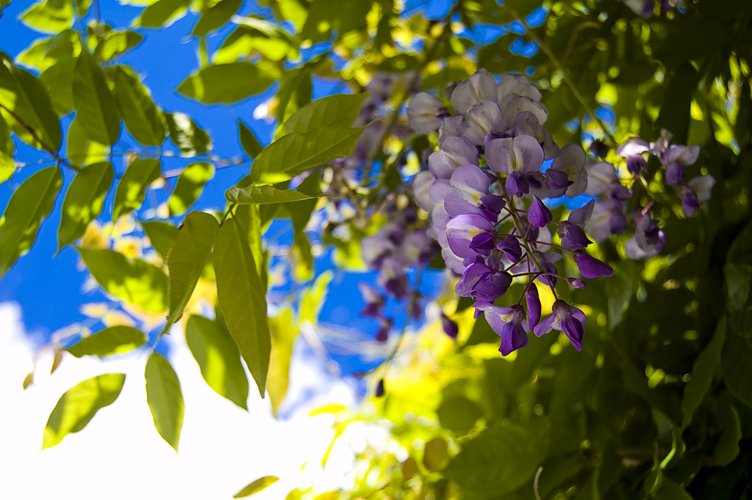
point(648, 239)
point(493, 203)
point(674, 174)
point(690, 203)
point(538, 214)
point(379, 392)
point(636, 163)
point(374, 300)
point(517, 184)
point(532, 300)
point(558, 182)
point(507, 322)
point(385, 326)
point(449, 326)
point(462, 229)
point(483, 283)
point(482, 243)
point(511, 248)
point(572, 236)
point(599, 148)
point(590, 267)
point(567, 319)
point(582, 214)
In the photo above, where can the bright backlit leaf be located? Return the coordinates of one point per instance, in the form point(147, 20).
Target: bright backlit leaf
point(226, 83)
point(143, 119)
point(256, 486)
point(7, 148)
point(187, 258)
point(215, 16)
point(161, 234)
point(80, 149)
point(264, 194)
point(79, 404)
point(50, 16)
point(189, 186)
point(338, 110)
point(131, 189)
point(165, 398)
point(30, 204)
point(134, 281)
point(284, 331)
point(295, 153)
point(189, 137)
point(162, 13)
point(219, 358)
point(248, 140)
point(108, 342)
point(242, 298)
point(95, 104)
point(84, 201)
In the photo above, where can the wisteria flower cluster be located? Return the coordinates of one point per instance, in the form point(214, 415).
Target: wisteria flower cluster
point(610, 213)
point(484, 189)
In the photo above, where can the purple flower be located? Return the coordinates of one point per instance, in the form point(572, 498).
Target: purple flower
point(483, 243)
point(571, 160)
point(374, 300)
point(454, 151)
point(462, 229)
point(532, 300)
point(449, 326)
point(512, 105)
point(483, 283)
point(696, 192)
point(572, 236)
point(601, 177)
point(632, 150)
point(507, 322)
point(590, 267)
point(647, 241)
point(469, 186)
point(424, 113)
point(510, 248)
point(517, 85)
point(674, 174)
point(556, 182)
point(519, 154)
point(385, 326)
point(379, 392)
point(482, 120)
point(476, 89)
point(567, 319)
point(538, 214)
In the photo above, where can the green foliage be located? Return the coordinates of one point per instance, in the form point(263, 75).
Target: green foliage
point(255, 486)
point(218, 358)
point(84, 201)
point(108, 342)
point(131, 189)
point(143, 119)
point(97, 112)
point(187, 258)
point(262, 195)
point(79, 404)
point(165, 398)
point(26, 210)
point(134, 281)
point(243, 307)
point(226, 83)
point(190, 184)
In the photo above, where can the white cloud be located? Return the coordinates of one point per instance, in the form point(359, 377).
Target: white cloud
point(119, 455)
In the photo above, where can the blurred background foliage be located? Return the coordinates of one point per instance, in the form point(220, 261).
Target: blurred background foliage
point(658, 403)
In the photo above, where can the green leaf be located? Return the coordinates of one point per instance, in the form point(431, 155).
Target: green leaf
point(702, 373)
point(189, 187)
point(738, 281)
point(58, 80)
point(161, 234)
point(670, 490)
point(131, 190)
point(187, 259)
point(95, 105)
point(734, 362)
point(727, 448)
point(186, 135)
point(215, 17)
point(242, 298)
point(256, 486)
point(143, 119)
point(84, 201)
point(312, 298)
point(325, 17)
point(436, 454)
point(226, 83)
point(165, 398)
point(49, 16)
point(339, 110)
point(7, 148)
point(29, 103)
point(293, 154)
point(47, 52)
point(108, 342)
point(115, 43)
point(264, 195)
point(284, 331)
point(248, 141)
point(219, 358)
point(677, 99)
point(256, 36)
point(459, 414)
point(162, 13)
point(30, 204)
point(81, 150)
point(498, 461)
point(79, 404)
point(131, 280)
point(295, 90)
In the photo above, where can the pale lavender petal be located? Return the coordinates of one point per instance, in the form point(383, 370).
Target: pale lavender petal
point(481, 120)
point(478, 88)
point(600, 177)
point(702, 187)
point(582, 214)
point(517, 85)
point(423, 113)
point(512, 104)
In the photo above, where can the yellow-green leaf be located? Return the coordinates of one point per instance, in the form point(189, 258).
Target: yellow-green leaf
point(189, 187)
point(79, 404)
point(131, 280)
point(295, 153)
point(143, 119)
point(248, 140)
point(242, 298)
point(108, 342)
point(284, 331)
point(215, 16)
point(338, 110)
point(226, 83)
point(265, 195)
point(80, 149)
point(218, 358)
point(131, 190)
point(115, 43)
point(26, 210)
point(187, 259)
point(256, 486)
point(161, 234)
point(162, 13)
point(165, 398)
point(95, 105)
point(7, 164)
point(84, 201)
point(49, 16)
point(186, 135)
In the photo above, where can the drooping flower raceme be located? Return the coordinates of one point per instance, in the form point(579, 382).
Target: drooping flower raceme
point(485, 189)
